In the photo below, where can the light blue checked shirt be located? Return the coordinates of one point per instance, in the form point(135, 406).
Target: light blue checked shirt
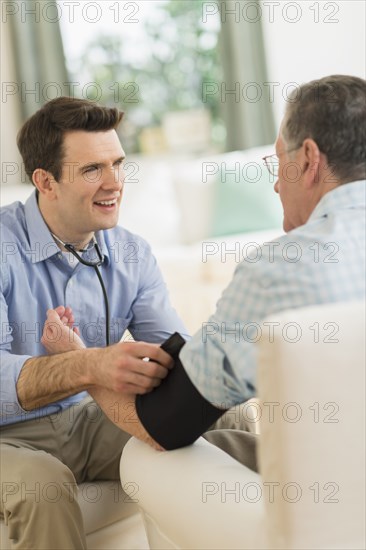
point(36, 276)
point(320, 262)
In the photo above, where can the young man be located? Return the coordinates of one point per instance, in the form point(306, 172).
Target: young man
point(320, 167)
point(74, 158)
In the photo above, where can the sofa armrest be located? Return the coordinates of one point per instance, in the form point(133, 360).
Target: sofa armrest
point(311, 381)
point(195, 497)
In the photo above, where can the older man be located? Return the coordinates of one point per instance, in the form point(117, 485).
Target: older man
point(319, 167)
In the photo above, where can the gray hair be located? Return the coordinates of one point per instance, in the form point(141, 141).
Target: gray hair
point(331, 111)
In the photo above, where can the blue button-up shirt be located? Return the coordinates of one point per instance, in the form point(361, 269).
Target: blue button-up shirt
point(320, 262)
point(36, 276)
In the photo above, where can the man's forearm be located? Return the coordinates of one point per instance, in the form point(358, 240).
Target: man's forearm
point(121, 410)
point(44, 380)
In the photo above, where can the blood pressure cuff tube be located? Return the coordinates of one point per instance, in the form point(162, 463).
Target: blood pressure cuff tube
point(175, 414)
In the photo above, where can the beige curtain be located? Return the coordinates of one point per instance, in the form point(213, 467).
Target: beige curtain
point(36, 46)
point(245, 90)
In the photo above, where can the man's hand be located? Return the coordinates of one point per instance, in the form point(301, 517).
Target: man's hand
point(128, 367)
point(59, 334)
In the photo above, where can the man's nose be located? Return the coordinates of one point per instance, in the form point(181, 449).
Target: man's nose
point(275, 187)
point(114, 178)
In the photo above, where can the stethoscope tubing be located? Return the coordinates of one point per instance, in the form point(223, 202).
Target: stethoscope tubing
point(70, 248)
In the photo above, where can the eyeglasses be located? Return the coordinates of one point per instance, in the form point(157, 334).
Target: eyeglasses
point(272, 161)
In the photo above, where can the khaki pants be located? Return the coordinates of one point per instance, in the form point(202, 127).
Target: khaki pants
point(233, 433)
point(52, 454)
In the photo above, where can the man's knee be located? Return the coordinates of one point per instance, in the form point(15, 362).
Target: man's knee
point(35, 477)
point(244, 416)
point(36, 488)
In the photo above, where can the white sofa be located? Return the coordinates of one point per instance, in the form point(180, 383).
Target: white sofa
point(311, 490)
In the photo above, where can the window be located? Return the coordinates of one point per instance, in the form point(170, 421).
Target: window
point(152, 60)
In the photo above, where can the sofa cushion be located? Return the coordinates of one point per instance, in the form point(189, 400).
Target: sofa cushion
point(103, 503)
point(243, 195)
point(214, 202)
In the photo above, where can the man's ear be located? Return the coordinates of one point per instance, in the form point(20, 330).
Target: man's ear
point(45, 183)
point(311, 163)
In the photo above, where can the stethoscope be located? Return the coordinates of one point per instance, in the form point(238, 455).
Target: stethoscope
point(70, 248)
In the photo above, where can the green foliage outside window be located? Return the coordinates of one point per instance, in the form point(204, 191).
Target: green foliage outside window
point(164, 73)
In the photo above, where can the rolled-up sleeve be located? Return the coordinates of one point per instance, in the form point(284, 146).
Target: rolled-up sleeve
point(10, 364)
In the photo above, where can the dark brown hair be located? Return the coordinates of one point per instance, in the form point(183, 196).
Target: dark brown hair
point(40, 140)
point(331, 111)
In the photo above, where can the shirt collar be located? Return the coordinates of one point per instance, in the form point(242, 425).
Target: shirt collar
point(347, 195)
point(41, 241)
point(100, 237)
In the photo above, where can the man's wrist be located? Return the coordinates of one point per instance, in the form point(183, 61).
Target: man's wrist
point(91, 359)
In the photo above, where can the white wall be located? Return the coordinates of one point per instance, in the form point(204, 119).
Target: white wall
point(328, 38)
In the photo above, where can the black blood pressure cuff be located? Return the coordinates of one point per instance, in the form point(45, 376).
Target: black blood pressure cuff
point(175, 414)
